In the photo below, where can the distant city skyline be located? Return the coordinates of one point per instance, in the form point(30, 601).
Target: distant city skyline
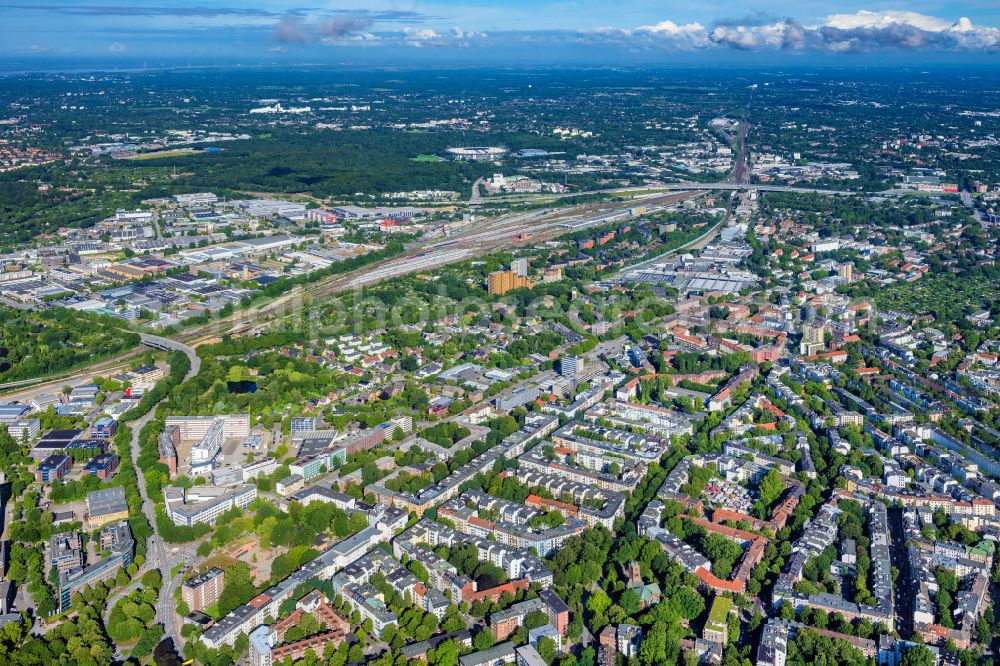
point(518, 31)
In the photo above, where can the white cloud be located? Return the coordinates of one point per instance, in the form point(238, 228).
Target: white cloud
point(839, 33)
point(116, 47)
point(884, 19)
point(671, 28)
point(459, 33)
point(419, 34)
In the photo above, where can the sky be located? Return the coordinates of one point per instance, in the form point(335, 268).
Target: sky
point(509, 32)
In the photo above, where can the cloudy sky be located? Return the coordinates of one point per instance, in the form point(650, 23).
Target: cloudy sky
point(509, 31)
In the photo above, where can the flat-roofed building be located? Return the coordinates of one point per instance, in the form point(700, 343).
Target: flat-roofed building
point(102, 466)
point(24, 429)
point(204, 589)
point(106, 506)
point(54, 467)
point(11, 413)
point(119, 541)
point(207, 507)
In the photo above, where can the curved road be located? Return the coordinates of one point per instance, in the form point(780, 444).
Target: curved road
point(157, 556)
point(29, 388)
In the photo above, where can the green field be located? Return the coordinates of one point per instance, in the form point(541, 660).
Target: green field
point(177, 152)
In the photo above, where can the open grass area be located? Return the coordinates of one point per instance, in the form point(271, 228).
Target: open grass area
point(176, 152)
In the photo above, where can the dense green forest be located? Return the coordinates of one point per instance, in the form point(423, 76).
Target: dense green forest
point(332, 164)
point(25, 212)
point(35, 344)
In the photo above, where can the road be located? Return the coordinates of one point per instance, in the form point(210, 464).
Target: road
point(905, 590)
point(698, 243)
point(168, 344)
point(489, 235)
point(49, 386)
point(969, 203)
point(26, 389)
point(737, 176)
point(157, 555)
point(740, 169)
point(476, 198)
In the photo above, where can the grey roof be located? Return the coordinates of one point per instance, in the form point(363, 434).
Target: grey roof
point(499, 651)
point(106, 501)
point(414, 650)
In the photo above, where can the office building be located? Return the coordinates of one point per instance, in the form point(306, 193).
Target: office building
point(103, 429)
point(522, 395)
point(166, 444)
point(205, 504)
point(55, 441)
point(120, 542)
point(11, 413)
point(54, 467)
point(102, 466)
point(66, 551)
point(24, 429)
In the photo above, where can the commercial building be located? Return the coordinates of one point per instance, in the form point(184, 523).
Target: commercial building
point(23, 429)
point(103, 429)
point(520, 396)
point(66, 551)
point(119, 541)
point(196, 427)
point(55, 441)
point(11, 413)
point(106, 505)
point(102, 466)
point(54, 467)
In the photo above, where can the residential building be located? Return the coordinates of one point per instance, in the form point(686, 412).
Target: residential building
point(203, 590)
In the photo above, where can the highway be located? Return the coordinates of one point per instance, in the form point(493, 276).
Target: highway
point(737, 176)
point(790, 188)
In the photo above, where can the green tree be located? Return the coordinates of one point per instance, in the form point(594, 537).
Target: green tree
point(918, 655)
